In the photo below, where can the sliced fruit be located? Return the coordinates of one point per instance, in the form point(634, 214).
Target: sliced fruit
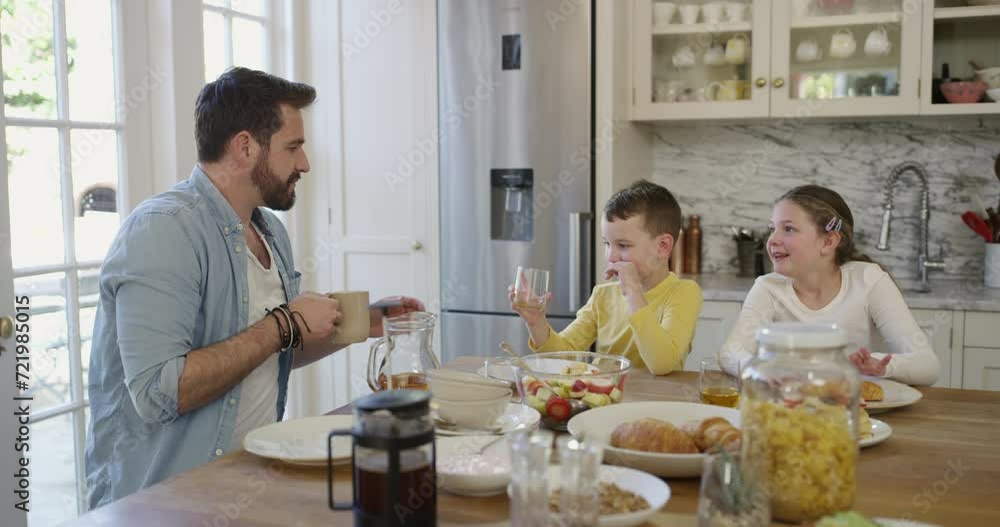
point(595, 400)
point(533, 386)
point(616, 395)
point(601, 386)
point(579, 386)
point(535, 403)
point(544, 394)
point(558, 409)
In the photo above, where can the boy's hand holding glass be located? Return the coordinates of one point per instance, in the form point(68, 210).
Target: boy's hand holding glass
point(530, 294)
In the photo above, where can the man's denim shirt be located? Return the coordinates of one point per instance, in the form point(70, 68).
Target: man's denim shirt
point(174, 280)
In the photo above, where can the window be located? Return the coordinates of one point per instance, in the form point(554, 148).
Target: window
point(63, 136)
point(237, 33)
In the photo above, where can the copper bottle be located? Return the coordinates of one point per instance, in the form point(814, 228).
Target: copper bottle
point(692, 246)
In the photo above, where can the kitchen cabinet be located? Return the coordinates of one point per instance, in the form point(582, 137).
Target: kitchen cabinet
point(981, 357)
point(873, 58)
point(714, 323)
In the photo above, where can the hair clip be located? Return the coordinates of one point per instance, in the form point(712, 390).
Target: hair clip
point(834, 224)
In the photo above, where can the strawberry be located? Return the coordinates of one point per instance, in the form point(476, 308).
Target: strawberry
point(558, 409)
point(579, 385)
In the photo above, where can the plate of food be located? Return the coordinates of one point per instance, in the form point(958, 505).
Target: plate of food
point(882, 394)
point(663, 438)
point(856, 519)
point(871, 431)
point(302, 441)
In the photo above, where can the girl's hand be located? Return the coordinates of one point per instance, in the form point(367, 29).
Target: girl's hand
point(532, 316)
point(869, 365)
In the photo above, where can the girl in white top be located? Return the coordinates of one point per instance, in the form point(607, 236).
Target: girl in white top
point(820, 276)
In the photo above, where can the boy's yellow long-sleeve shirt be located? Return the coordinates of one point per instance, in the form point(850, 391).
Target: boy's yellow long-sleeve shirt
point(658, 336)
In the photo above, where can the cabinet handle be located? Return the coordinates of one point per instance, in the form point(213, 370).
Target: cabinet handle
point(6, 327)
point(761, 82)
point(416, 245)
point(779, 82)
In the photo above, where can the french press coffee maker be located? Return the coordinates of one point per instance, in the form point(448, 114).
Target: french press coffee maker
point(393, 457)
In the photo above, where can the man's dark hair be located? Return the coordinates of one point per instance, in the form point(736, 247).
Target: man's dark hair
point(244, 99)
point(660, 211)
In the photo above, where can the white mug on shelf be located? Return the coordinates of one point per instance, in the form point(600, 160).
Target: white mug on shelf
point(711, 12)
point(684, 57)
point(689, 13)
point(715, 55)
point(668, 90)
point(663, 13)
point(801, 8)
point(737, 49)
point(736, 12)
point(842, 44)
point(808, 50)
point(878, 44)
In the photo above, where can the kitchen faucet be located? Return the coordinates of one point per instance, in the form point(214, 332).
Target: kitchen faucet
point(923, 260)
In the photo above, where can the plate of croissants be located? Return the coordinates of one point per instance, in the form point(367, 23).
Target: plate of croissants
point(883, 394)
point(663, 438)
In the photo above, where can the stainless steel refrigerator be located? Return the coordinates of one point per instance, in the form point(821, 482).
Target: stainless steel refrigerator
point(515, 118)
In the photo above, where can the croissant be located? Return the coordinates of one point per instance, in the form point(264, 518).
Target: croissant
point(714, 431)
point(652, 435)
point(871, 391)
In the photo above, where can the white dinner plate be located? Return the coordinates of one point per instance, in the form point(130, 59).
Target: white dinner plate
point(302, 441)
point(598, 423)
point(880, 432)
point(892, 522)
point(473, 465)
point(896, 395)
point(655, 491)
point(516, 417)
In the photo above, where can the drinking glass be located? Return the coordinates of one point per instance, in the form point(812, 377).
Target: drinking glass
point(716, 386)
point(530, 287)
point(530, 451)
point(730, 494)
point(579, 481)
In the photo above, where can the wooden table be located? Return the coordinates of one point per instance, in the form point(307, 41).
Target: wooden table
point(941, 466)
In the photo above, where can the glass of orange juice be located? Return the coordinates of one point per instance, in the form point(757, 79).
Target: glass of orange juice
point(716, 386)
point(530, 287)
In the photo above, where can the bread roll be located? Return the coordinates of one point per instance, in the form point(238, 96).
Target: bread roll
point(871, 391)
point(652, 435)
point(712, 432)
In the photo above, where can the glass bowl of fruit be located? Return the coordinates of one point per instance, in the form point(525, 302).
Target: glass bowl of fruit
point(561, 384)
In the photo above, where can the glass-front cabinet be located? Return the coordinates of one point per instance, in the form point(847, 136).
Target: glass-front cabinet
point(845, 57)
point(961, 49)
point(701, 59)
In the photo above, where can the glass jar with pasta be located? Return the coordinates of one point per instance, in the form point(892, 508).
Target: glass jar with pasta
point(799, 406)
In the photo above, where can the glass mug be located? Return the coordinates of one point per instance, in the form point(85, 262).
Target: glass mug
point(409, 353)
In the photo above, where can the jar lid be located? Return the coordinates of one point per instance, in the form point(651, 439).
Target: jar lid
point(802, 335)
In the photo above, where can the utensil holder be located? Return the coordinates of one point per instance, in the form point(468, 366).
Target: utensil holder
point(991, 271)
point(746, 256)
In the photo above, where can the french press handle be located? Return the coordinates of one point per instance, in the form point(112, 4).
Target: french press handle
point(334, 505)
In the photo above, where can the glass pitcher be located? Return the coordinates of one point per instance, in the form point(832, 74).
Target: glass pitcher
point(409, 353)
point(393, 458)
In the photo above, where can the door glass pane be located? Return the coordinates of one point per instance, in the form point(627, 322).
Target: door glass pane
point(250, 7)
point(249, 44)
point(215, 49)
point(53, 471)
point(29, 66)
point(88, 312)
point(36, 223)
point(95, 184)
point(956, 41)
point(219, 3)
point(91, 60)
point(841, 49)
point(49, 383)
point(701, 67)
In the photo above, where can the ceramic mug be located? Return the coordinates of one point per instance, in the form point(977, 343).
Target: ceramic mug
point(663, 13)
point(715, 55)
point(737, 49)
point(802, 8)
point(842, 44)
point(355, 322)
point(808, 51)
point(668, 91)
point(711, 12)
point(736, 12)
point(877, 44)
point(689, 13)
point(684, 57)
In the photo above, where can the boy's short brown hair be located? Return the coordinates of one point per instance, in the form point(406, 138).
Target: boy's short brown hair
point(660, 211)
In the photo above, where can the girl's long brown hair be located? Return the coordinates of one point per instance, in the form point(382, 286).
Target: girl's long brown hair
point(824, 205)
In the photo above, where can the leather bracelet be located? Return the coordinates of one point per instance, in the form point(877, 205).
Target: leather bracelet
point(284, 335)
point(297, 341)
point(292, 337)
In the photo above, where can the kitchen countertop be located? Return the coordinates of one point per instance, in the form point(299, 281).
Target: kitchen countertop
point(956, 295)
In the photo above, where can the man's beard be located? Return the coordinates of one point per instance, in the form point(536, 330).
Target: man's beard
point(276, 195)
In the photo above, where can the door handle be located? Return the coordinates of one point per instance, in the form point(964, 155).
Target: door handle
point(579, 243)
point(779, 82)
point(416, 245)
point(6, 327)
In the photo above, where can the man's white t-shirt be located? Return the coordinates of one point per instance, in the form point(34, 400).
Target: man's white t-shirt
point(259, 390)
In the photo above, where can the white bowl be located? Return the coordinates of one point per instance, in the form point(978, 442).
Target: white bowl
point(994, 93)
point(990, 76)
point(473, 414)
point(462, 469)
point(463, 386)
point(598, 423)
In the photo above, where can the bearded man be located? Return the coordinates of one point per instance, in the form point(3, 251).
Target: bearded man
point(200, 319)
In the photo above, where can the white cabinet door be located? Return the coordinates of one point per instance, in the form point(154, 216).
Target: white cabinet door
point(734, 87)
point(938, 326)
point(981, 369)
point(714, 324)
point(809, 80)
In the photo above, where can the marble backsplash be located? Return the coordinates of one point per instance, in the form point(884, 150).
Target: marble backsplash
point(731, 174)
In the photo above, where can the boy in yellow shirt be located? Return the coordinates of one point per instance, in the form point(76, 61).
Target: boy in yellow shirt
point(646, 313)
